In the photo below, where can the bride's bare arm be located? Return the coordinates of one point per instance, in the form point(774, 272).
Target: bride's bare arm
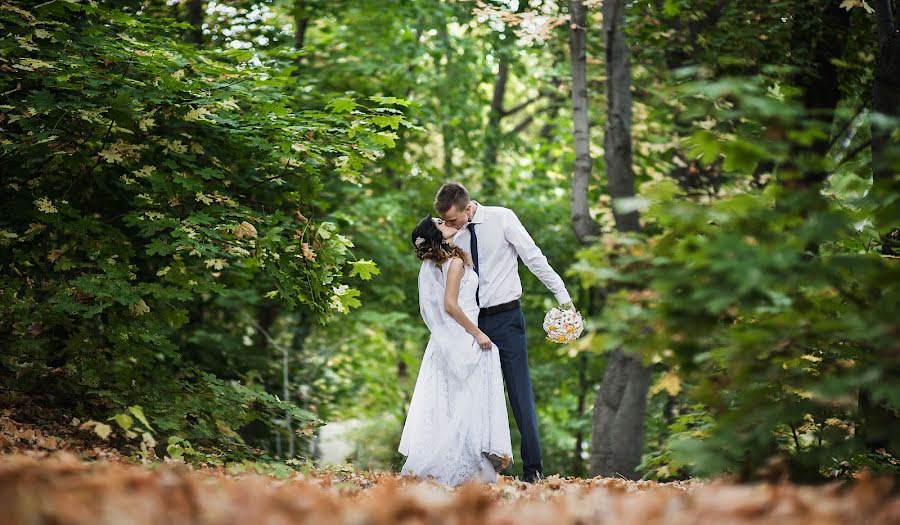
point(451, 302)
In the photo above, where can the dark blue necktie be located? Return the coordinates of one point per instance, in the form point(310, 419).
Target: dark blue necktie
point(473, 249)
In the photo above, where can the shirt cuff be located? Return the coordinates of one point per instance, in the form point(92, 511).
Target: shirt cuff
point(563, 297)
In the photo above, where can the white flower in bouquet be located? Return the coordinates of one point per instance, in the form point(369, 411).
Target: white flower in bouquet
point(563, 326)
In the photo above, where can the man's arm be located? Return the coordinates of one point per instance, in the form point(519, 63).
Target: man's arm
point(534, 259)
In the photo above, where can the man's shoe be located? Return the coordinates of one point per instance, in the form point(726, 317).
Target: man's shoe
point(534, 477)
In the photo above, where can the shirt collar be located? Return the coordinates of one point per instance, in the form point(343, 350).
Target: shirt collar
point(478, 218)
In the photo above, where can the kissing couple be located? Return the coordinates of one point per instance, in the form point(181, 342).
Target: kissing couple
point(457, 428)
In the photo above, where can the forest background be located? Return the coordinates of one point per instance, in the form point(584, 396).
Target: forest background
point(205, 215)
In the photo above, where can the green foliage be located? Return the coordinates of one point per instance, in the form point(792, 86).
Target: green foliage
point(148, 184)
point(776, 308)
point(667, 460)
point(183, 228)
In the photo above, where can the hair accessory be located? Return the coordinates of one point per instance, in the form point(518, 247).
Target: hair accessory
point(419, 240)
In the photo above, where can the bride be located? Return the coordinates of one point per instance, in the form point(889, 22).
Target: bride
point(456, 429)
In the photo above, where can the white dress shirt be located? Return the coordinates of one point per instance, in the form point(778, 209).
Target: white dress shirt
point(501, 241)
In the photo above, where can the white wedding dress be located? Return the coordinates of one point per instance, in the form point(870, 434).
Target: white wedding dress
point(456, 429)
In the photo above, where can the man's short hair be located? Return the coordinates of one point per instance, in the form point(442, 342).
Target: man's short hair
point(451, 194)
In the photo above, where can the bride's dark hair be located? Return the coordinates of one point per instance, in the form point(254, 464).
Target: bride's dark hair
point(430, 244)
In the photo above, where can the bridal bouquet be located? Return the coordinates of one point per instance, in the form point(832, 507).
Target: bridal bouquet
point(563, 326)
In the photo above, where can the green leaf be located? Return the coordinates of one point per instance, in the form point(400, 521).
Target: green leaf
point(139, 413)
point(342, 105)
point(365, 269)
point(390, 100)
point(124, 420)
point(387, 139)
point(158, 247)
point(384, 121)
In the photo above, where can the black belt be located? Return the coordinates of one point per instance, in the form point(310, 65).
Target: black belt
point(512, 305)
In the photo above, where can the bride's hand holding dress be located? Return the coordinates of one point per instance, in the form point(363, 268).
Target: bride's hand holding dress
point(451, 303)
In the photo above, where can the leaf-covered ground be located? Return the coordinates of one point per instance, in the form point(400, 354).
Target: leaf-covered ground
point(47, 480)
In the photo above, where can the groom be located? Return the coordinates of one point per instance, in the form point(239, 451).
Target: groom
point(495, 239)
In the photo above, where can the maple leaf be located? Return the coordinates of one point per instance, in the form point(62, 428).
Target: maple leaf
point(139, 308)
point(30, 64)
point(229, 103)
point(344, 298)
point(850, 4)
point(146, 123)
point(384, 121)
point(390, 100)
point(341, 105)
point(244, 229)
point(25, 14)
point(45, 205)
point(175, 146)
point(217, 264)
point(365, 269)
point(670, 382)
point(197, 114)
point(111, 156)
point(307, 252)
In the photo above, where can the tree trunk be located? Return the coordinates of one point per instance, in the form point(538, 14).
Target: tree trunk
point(618, 421)
point(265, 317)
point(825, 35)
point(585, 227)
point(822, 40)
point(584, 388)
point(877, 417)
point(196, 9)
point(617, 139)
point(447, 131)
point(617, 434)
point(885, 92)
point(301, 23)
point(492, 133)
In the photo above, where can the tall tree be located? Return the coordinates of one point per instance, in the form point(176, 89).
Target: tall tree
point(618, 423)
point(493, 134)
point(302, 15)
point(585, 227)
point(822, 39)
point(878, 417)
point(196, 10)
point(618, 418)
point(886, 87)
point(617, 136)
